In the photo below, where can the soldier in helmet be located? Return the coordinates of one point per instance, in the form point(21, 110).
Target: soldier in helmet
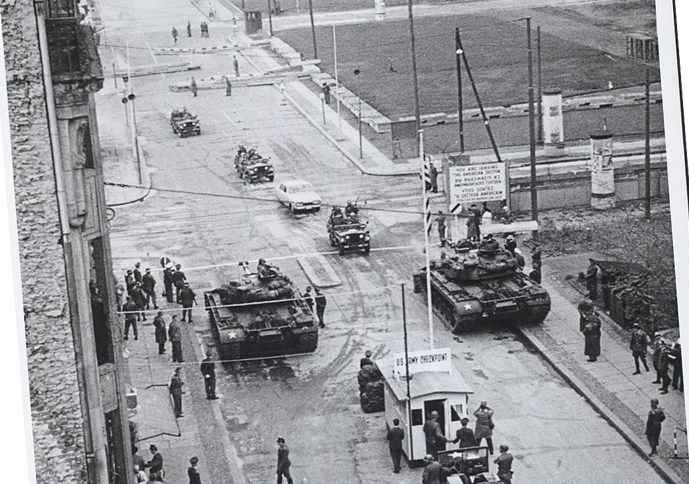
point(351, 209)
point(434, 434)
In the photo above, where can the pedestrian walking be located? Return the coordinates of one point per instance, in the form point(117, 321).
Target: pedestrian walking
point(366, 360)
point(484, 425)
point(395, 437)
point(434, 434)
point(591, 330)
point(321, 302)
point(657, 349)
point(664, 366)
point(167, 281)
point(188, 298)
point(639, 345)
point(139, 298)
point(228, 86)
point(434, 178)
point(176, 384)
point(654, 425)
point(235, 63)
point(192, 472)
point(465, 436)
point(308, 299)
point(174, 333)
point(677, 377)
point(174, 34)
point(155, 465)
point(536, 257)
point(326, 92)
point(148, 285)
point(178, 280)
point(442, 228)
point(130, 311)
point(504, 462)
point(283, 462)
point(208, 372)
point(188, 29)
point(194, 89)
point(592, 281)
point(160, 332)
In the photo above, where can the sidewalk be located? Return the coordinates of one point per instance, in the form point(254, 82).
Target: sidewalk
point(608, 384)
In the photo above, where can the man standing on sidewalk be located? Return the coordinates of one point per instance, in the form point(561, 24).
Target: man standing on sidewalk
point(130, 311)
point(178, 280)
point(176, 392)
point(174, 332)
point(320, 307)
point(395, 437)
point(192, 472)
point(149, 283)
point(188, 298)
point(638, 344)
point(654, 425)
point(155, 464)
point(208, 372)
point(283, 461)
point(167, 281)
point(160, 332)
point(664, 366)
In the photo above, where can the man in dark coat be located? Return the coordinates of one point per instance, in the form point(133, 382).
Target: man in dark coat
point(155, 464)
point(654, 425)
point(129, 281)
point(160, 332)
point(320, 307)
point(189, 29)
point(366, 360)
point(178, 280)
point(283, 461)
point(167, 281)
point(130, 311)
point(208, 372)
point(137, 272)
point(148, 284)
point(308, 298)
point(657, 349)
point(434, 178)
point(677, 377)
point(592, 336)
point(188, 298)
point(504, 462)
point(639, 345)
point(192, 472)
point(174, 332)
point(395, 437)
point(228, 86)
point(664, 366)
point(465, 436)
point(139, 299)
point(326, 93)
point(176, 384)
point(434, 434)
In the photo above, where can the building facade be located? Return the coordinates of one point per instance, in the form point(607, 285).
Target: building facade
point(78, 405)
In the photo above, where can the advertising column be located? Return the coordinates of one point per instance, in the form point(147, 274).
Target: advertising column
point(553, 124)
point(602, 171)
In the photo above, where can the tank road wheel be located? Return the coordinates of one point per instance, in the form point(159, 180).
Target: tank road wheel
point(307, 343)
point(463, 325)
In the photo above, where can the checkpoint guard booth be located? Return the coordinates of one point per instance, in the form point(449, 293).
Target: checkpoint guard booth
point(432, 387)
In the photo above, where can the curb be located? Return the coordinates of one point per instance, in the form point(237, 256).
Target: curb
point(658, 465)
point(148, 187)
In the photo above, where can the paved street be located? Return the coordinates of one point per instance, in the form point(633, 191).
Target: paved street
point(201, 215)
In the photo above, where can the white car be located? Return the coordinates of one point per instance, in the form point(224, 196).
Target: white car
point(298, 196)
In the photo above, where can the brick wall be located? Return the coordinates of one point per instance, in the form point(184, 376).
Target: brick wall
point(55, 405)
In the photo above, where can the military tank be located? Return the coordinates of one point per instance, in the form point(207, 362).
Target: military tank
point(481, 285)
point(261, 314)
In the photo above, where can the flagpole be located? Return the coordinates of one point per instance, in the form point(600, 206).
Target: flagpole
point(425, 181)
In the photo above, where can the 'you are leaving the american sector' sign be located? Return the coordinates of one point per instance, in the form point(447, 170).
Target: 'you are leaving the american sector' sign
point(477, 183)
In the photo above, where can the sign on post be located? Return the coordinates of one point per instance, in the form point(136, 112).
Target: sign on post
point(477, 183)
point(436, 360)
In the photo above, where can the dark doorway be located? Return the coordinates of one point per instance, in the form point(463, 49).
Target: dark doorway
point(436, 406)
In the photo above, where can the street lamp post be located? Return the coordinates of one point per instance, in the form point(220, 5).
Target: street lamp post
point(270, 19)
point(322, 96)
point(357, 73)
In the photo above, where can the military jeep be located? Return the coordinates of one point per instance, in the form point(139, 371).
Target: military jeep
point(183, 123)
point(348, 233)
point(253, 167)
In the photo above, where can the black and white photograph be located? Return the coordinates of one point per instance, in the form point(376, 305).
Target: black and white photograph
point(346, 241)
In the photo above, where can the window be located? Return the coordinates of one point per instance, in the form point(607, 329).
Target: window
point(456, 412)
point(84, 142)
point(417, 417)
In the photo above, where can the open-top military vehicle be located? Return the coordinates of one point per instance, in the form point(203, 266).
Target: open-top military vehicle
point(184, 123)
point(483, 285)
point(253, 167)
point(260, 314)
point(347, 232)
point(468, 466)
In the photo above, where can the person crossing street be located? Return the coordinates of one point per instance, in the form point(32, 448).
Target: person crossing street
point(320, 307)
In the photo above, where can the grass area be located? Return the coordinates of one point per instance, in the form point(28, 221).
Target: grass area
point(289, 7)
point(623, 15)
point(496, 53)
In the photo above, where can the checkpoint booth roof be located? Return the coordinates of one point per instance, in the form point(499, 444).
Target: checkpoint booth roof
point(433, 386)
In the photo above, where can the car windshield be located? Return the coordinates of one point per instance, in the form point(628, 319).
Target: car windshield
point(301, 188)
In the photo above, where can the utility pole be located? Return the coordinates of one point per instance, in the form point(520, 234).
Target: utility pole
point(130, 97)
point(417, 113)
point(427, 224)
point(270, 19)
point(460, 101)
point(313, 30)
point(406, 360)
point(532, 130)
point(647, 158)
point(540, 85)
point(357, 73)
point(337, 83)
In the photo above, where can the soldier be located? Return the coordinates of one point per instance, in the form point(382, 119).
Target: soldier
point(160, 332)
point(178, 280)
point(592, 281)
point(434, 178)
point(208, 372)
point(139, 299)
point(308, 298)
point(504, 462)
point(657, 349)
point(434, 472)
point(472, 227)
point(188, 298)
point(283, 462)
point(536, 257)
point(511, 245)
point(434, 434)
point(664, 366)
point(654, 425)
point(520, 259)
point(176, 384)
point(194, 89)
point(440, 220)
point(148, 284)
point(351, 209)
point(639, 345)
point(188, 29)
point(677, 377)
point(228, 87)
point(366, 360)
point(320, 307)
point(167, 281)
point(174, 34)
point(129, 281)
point(130, 311)
point(535, 275)
point(174, 332)
point(137, 272)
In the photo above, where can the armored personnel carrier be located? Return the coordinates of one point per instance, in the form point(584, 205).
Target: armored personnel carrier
point(183, 123)
point(347, 232)
point(261, 314)
point(253, 167)
point(477, 286)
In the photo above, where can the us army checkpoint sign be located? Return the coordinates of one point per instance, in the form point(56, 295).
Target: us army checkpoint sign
point(425, 360)
point(477, 183)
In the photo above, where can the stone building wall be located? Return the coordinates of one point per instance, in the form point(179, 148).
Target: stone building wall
point(55, 403)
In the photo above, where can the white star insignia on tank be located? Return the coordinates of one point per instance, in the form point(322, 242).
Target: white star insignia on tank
point(232, 334)
point(467, 306)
